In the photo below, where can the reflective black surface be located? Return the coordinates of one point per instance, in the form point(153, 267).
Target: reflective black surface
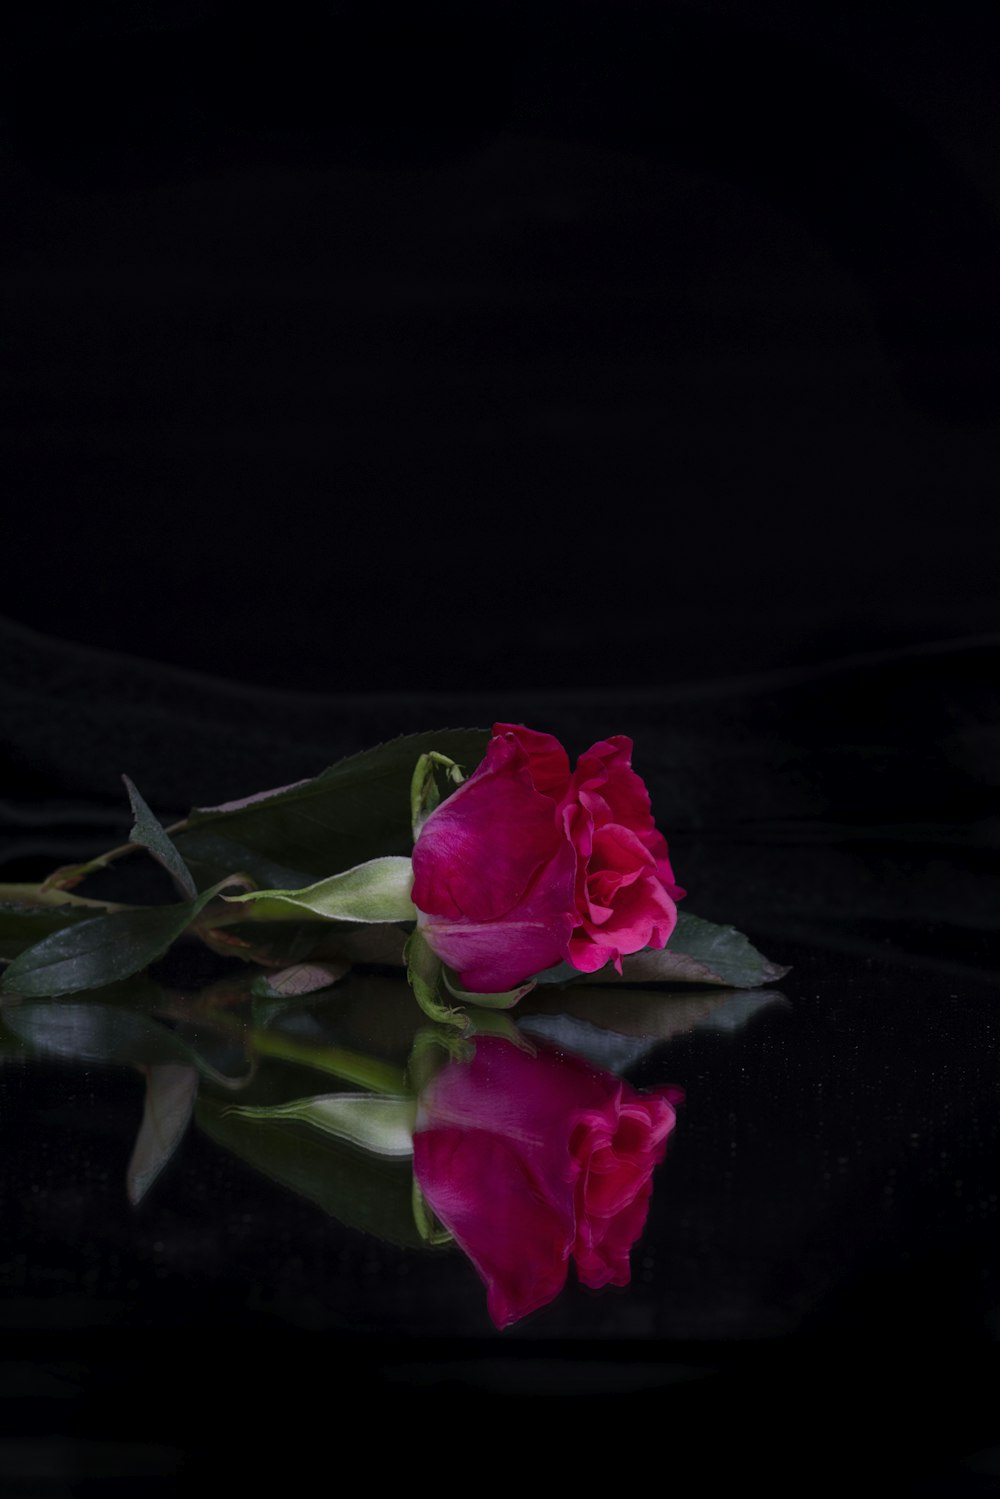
point(816, 1291)
point(823, 1234)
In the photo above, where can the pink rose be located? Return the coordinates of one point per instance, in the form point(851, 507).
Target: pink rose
point(530, 1161)
point(526, 865)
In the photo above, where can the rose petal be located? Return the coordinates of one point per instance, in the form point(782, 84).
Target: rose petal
point(490, 958)
point(548, 762)
point(528, 1159)
point(480, 850)
point(615, 793)
point(485, 1194)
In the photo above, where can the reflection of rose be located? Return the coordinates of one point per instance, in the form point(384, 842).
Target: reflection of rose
point(526, 865)
point(529, 1160)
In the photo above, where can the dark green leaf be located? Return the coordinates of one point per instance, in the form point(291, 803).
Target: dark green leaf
point(700, 952)
point(22, 926)
point(358, 809)
point(364, 1191)
point(102, 951)
point(148, 833)
point(209, 849)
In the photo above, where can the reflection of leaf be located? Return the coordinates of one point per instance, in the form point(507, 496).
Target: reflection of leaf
point(496, 1023)
point(656, 1014)
point(170, 1095)
point(613, 1029)
point(95, 1033)
point(364, 1191)
point(220, 1053)
point(379, 1122)
point(107, 1031)
point(356, 810)
point(739, 1007)
point(101, 951)
point(10, 1045)
point(147, 833)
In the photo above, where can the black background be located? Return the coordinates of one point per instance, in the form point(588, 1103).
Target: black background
point(561, 362)
point(367, 346)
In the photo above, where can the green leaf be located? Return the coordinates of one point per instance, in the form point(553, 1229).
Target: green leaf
point(358, 809)
point(700, 952)
point(212, 854)
point(101, 951)
point(379, 1122)
point(358, 1188)
point(21, 926)
point(378, 891)
point(425, 793)
point(148, 833)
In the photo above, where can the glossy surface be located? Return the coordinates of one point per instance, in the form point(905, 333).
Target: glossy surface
point(831, 1180)
point(816, 1292)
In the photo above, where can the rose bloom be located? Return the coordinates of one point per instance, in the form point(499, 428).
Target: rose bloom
point(533, 1160)
point(527, 865)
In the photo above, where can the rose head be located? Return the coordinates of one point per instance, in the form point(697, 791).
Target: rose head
point(528, 865)
point(530, 1161)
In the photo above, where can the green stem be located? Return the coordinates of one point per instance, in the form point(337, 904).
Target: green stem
point(68, 875)
point(45, 897)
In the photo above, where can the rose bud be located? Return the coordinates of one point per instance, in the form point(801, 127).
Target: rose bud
point(526, 866)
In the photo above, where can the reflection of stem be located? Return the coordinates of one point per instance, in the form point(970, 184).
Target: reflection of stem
point(429, 1226)
point(352, 1067)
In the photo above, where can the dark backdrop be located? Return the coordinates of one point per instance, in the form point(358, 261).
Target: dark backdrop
point(561, 362)
point(585, 344)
